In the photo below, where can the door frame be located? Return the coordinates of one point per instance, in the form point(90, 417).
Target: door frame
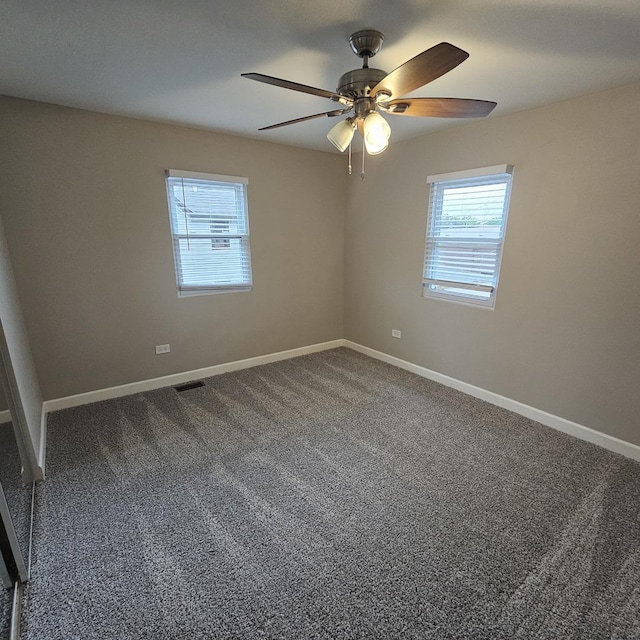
point(31, 471)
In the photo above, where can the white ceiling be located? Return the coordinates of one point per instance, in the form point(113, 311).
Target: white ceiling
point(180, 61)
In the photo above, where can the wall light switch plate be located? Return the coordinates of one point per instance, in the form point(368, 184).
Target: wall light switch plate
point(162, 348)
point(396, 333)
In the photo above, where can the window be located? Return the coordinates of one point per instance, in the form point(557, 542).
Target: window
point(210, 230)
point(465, 232)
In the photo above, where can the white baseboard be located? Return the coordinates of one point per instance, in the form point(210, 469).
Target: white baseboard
point(548, 419)
point(623, 447)
point(5, 416)
point(179, 378)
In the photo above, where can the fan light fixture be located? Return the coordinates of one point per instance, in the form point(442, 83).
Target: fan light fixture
point(375, 130)
point(342, 134)
point(376, 133)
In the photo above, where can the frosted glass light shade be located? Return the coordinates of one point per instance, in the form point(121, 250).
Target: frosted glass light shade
point(341, 135)
point(376, 133)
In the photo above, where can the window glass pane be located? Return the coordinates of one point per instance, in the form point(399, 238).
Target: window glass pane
point(202, 264)
point(470, 212)
point(202, 208)
point(472, 262)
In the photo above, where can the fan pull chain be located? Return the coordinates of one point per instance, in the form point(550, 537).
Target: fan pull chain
point(363, 155)
point(350, 168)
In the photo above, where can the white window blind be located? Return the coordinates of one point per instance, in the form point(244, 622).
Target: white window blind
point(465, 233)
point(210, 230)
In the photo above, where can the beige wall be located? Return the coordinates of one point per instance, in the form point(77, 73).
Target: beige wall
point(83, 201)
point(565, 334)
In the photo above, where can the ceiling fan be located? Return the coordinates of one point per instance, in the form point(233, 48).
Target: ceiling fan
point(365, 93)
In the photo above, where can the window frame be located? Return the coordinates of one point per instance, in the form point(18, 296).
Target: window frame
point(464, 293)
point(185, 290)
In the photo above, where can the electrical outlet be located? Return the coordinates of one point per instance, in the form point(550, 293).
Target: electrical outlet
point(163, 348)
point(396, 333)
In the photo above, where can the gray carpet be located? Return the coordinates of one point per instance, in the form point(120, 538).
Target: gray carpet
point(329, 496)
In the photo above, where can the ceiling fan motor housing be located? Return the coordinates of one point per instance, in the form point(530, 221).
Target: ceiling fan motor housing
point(359, 82)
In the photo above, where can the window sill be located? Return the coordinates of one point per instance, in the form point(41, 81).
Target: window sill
point(207, 292)
point(487, 306)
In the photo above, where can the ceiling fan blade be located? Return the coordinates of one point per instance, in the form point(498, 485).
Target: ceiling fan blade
point(424, 68)
point(440, 107)
point(328, 114)
point(287, 84)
